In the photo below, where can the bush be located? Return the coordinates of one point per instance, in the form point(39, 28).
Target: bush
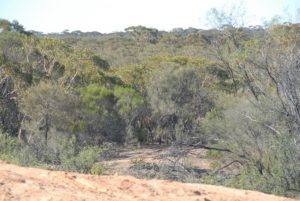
point(12, 151)
point(259, 142)
point(97, 169)
point(79, 161)
point(178, 101)
point(65, 154)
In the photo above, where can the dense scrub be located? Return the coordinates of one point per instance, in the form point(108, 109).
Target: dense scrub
point(232, 90)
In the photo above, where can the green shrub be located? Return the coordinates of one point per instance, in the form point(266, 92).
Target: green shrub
point(266, 153)
point(97, 169)
point(12, 151)
point(82, 161)
point(65, 154)
point(8, 148)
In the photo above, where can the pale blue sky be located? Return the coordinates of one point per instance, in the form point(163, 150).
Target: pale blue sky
point(115, 15)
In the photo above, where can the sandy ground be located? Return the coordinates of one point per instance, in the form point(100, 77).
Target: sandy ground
point(19, 183)
point(127, 157)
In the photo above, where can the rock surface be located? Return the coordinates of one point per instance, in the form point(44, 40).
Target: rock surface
point(19, 183)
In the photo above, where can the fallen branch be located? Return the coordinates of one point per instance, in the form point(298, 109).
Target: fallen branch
point(199, 145)
point(227, 165)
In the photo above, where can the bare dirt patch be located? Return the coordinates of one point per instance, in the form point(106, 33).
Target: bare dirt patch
point(128, 157)
point(19, 183)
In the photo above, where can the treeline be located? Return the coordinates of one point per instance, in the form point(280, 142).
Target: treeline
point(232, 89)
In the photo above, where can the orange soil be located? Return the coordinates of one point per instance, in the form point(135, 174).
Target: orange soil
point(19, 183)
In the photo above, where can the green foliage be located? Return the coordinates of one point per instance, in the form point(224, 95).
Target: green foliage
point(75, 126)
point(13, 151)
point(178, 100)
point(127, 99)
point(255, 139)
point(5, 25)
point(70, 156)
point(13, 26)
point(97, 169)
point(49, 106)
point(9, 112)
point(233, 88)
point(8, 147)
point(83, 161)
point(133, 75)
point(100, 62)
point(252, 179)
point(214, 154)
point(95, 96)
point(143, 34)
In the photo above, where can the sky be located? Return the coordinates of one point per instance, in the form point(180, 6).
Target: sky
point(115, 15)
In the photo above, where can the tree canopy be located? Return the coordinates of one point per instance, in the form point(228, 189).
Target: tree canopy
point(233, 90)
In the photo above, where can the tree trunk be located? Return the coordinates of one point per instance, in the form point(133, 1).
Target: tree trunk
point(46, 129)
